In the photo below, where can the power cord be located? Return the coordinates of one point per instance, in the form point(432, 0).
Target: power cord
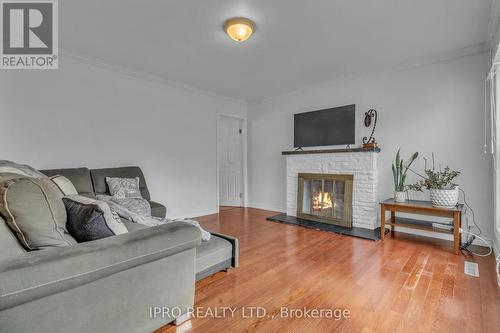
point(484, 241)
point(498, 267)
point(472, 236)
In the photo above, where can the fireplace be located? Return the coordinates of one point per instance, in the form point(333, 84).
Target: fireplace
point(325, 198)
point(361, 164)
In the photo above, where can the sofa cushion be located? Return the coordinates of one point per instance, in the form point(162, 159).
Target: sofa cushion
point(80, 177)
point(212, 253)
point(157, 209)
point(90, 219)
point(64, 184)
point(9, 245)
point(34, 210)
point(101, 187)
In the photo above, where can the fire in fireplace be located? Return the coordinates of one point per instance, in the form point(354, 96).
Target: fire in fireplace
point(325, 198)
point(322, 200)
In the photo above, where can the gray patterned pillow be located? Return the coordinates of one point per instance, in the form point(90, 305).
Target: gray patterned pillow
point(124, 187)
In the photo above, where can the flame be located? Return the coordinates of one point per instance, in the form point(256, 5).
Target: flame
point(322, 200)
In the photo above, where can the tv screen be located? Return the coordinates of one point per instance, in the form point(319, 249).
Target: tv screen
point(326, 127)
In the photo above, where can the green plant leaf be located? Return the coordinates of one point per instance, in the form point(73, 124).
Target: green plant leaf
point(395, 177)
point(398, 158)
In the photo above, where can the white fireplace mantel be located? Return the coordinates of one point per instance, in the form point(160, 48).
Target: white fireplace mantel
point(363, 165)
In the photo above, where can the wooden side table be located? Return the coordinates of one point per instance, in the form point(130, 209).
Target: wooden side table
point(421, 208)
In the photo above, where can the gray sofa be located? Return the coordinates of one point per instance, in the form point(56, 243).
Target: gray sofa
point(107, 285)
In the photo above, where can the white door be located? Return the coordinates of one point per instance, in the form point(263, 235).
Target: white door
point(230, 161)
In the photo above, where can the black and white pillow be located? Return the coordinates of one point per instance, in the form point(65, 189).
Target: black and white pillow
point(90, 219)
point(124, 187)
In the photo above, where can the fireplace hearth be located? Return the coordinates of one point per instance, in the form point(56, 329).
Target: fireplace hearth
point(325, 198)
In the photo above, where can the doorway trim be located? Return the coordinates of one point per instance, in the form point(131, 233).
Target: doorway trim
point(244, 155)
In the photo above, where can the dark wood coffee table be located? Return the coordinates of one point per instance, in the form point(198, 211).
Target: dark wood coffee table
point(421, 208)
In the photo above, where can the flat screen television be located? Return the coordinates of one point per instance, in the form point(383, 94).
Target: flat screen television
point(326, 127)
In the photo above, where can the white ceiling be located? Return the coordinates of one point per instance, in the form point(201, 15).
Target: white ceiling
point(297, 43)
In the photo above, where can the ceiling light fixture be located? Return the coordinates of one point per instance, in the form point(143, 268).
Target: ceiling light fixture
point(239, 28)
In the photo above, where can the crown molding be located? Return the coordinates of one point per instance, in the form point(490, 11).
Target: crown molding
point(444, 56)
point(142, 75)
point(136, 74)
point(415, 63)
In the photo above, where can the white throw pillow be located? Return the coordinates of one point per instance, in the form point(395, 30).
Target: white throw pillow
point(64, 184)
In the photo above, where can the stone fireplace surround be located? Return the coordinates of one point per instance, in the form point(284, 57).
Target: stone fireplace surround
point(362, 164)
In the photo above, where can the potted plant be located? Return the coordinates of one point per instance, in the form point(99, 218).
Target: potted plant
point(399, 170)
point(443, 192)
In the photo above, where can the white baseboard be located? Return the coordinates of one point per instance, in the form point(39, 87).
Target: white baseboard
point(273, 208)
point(496, 249)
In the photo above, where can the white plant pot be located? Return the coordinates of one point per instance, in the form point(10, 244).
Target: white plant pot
point(399, 196)
point(444, 198)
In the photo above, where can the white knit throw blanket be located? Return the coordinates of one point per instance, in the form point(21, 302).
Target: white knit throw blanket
point(149, 220)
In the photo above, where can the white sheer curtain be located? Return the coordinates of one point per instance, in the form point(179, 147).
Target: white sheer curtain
point(492, 94)
point(495, 129)
point(495, 151)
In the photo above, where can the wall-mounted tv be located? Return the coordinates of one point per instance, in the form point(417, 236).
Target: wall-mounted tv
point(326, 127)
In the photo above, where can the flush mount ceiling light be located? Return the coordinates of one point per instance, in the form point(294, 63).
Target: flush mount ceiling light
point(239, 28)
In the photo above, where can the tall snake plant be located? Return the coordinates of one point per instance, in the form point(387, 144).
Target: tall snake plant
point(399, 170)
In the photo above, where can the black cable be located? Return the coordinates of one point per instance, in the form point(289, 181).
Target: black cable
point(466, 252)
point(469, 237)
point(472, 237)
point(472, 211)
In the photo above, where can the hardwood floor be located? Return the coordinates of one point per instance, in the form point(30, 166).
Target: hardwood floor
point(404, 284)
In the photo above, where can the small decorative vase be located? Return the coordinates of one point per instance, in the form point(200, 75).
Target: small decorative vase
point(399, 196)
point(444, 198)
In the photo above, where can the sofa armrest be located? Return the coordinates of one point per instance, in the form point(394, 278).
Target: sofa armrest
point(236, 251)
point(42, 273)
point(157, 209)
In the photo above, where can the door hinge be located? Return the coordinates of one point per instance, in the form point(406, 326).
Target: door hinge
point(240, 131)
point(241, 195)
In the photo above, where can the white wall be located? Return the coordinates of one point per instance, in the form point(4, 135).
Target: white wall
point(435, 108)
point(87, 115)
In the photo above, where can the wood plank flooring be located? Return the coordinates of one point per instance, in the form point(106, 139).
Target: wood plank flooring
point(404, 284)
